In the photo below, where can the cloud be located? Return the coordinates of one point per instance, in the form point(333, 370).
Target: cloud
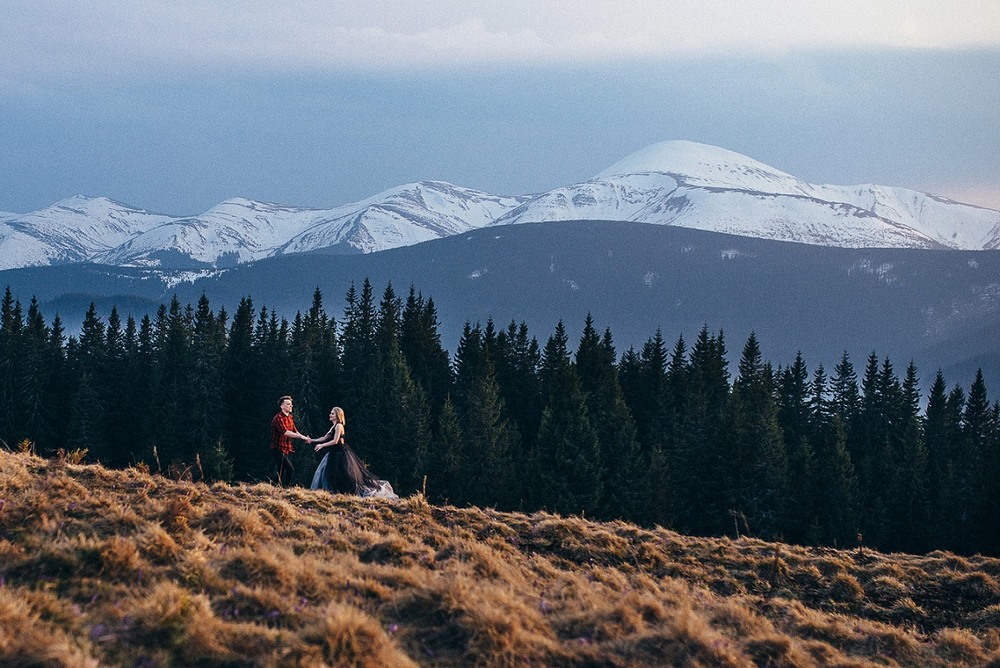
point(93, 37)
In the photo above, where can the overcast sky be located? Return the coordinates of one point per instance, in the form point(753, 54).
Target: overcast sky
point(177, 105)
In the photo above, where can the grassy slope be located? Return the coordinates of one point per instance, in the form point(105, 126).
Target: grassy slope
point(107, 567)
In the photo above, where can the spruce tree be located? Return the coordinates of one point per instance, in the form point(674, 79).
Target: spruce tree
point(832, 499)
point(205, 388)
point(87, 419)
point(87, 423)
point(171, 393)
point(701, 468)
point(624, 473)
point(488, 467)
point(846, 399)
point(908, 504)
point(446, 459)
point(59, 384)
point(952, 509)
point(420, 343)
point(836, 488)
point(33, 382)
point(517, 359)
point(247, 408)
point(657, 427)
point(978, 441)
point(756, 479)
point(565, 463)
point(938, 435)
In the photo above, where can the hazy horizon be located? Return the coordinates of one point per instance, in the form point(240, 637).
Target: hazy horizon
point(177, 108)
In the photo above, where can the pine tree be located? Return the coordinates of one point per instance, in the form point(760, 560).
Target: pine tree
point(701, 467)
point(517, 359)
point(656, 414)
point(868, 440)
point(205, 396)
point(87, 418)
point(420, 343)
point(939, 434)
point(247, 406)
point(486, 436)
point(978, 441)
point(59, 385)
point(132, 423)
point(565, 463)
point(757, 484)
point(88, 410)
point(173, 375)
point(9, 371)
point(794, 423)
point(989, 539)
point(359, 358)
point(846, 399)
point(33, 383)
point(832, 499)
point(793, 402)
point(836, 488)
point(624, 479)
point(446, 459)
point(908, 497)
point(952, 511)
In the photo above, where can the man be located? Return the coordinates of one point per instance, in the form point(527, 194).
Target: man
point(282, 432)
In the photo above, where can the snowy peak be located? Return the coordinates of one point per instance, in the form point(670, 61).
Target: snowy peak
point(680, 183)
point(401, 216)
point(694, 164)
point(75, 229)
point(709, 188)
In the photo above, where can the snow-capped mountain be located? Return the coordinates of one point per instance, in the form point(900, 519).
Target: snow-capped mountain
point(402, 216)
point(76, 229)
point(677, 183)
point(708, 188)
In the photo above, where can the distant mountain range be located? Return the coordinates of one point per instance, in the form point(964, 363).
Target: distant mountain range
point(675, 183)
point(676, 237)
point(938, 308)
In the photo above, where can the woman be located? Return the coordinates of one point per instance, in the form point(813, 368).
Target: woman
point(340, 470)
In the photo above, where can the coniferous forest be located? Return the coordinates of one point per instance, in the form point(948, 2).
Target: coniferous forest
point(668, 434)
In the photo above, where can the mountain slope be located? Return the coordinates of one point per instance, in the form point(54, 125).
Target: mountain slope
point(675, 183)
point(940, 308)
point(103, 567)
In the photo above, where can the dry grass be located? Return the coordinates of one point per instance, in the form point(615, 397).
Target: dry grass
point(104, 567)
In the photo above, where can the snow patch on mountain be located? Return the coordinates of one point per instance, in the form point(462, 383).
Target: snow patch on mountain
point(678, 183)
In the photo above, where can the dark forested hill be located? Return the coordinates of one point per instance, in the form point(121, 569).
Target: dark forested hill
point(938, 308)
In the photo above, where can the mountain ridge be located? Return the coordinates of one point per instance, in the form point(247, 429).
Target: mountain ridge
point(940, 309)
point(676, 182)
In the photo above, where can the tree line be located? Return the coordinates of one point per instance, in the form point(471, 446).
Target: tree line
point(657, 435)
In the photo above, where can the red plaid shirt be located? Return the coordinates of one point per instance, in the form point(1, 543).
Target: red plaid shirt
point(279, 425)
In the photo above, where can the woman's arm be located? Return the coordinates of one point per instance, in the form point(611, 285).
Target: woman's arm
point(329, 438)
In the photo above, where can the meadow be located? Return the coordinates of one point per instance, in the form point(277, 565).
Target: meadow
point(102, 567)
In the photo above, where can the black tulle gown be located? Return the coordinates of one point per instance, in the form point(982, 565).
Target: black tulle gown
point(343, 472)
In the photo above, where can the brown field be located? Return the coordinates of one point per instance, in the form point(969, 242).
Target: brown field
point(123, 568)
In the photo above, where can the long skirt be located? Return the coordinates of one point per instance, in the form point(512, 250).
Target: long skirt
point(343, 472)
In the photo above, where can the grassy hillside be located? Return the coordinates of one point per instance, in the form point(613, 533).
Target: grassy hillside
point(122, 568)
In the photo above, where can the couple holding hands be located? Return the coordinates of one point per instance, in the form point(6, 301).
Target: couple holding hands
point(339, 471)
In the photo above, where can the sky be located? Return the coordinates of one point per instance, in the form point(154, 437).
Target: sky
point(174, 106)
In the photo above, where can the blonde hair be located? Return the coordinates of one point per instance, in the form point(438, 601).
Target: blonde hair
point(340, 415)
